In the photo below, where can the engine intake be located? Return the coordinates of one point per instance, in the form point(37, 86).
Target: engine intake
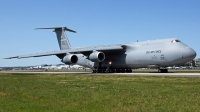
point(97, 56)
point(70, 59)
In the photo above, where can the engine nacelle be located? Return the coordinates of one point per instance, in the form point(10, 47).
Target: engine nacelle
point(97, 56)
point(70, 59)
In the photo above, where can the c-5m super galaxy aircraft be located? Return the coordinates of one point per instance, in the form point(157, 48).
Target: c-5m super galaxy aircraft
point(120, 58)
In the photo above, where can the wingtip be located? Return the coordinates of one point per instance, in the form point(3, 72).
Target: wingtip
point(7, 58)
point(11, 57)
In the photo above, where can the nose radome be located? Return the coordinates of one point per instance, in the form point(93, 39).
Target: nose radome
point(192, 53)
point(188, 53)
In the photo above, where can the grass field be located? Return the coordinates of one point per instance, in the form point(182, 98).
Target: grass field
point(134, 71)
point(90, 93)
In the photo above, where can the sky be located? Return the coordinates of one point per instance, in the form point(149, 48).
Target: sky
point(97, 22)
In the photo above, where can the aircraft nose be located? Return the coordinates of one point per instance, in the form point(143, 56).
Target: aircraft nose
point(192, 53)
point(189, 53)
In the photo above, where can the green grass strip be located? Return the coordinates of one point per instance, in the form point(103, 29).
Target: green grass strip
point(90, 93)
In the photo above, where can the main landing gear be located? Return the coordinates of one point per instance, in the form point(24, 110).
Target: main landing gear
point(112, 71)
point(162, 70)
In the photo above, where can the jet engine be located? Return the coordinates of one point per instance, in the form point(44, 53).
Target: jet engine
point(97, 56)
point(70, 59)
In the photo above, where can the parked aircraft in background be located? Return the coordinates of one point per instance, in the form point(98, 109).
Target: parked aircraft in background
point(61, 67)
point(120, 57)
point(40, 67)
point(169, 68)
point(176, 68)
point(75, 66)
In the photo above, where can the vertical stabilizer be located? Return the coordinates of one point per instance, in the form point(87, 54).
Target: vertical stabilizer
point(61, 36)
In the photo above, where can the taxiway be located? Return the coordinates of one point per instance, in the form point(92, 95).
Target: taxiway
point(119, 74)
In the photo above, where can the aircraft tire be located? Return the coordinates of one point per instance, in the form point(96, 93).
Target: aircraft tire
point(128, 70)
point(123, 70)
point(94, 71)
point(99, 71)
point(162, 70)
point(117, 71)
point(103, 71)
point(165, 70)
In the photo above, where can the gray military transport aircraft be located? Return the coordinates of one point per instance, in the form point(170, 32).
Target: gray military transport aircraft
point(120, 58)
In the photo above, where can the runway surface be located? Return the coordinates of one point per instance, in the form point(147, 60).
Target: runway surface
point(122, 74)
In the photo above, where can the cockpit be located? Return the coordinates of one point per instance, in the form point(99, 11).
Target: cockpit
point(173, 41)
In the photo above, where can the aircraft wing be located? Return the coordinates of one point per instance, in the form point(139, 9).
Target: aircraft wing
point(38, 54)
point(108, 49)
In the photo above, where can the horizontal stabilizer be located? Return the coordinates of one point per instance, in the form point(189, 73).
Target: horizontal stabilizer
point(56, 28)
point(12, 57)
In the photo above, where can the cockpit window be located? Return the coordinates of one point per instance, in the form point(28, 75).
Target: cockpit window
point(177, 40)
point(173, 41)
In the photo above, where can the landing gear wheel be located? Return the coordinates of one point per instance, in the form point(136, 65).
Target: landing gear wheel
point(94, 71)
point(103, 70)
point(129, 71)
point(165, 70)
point(122, 70)
point(159, 70)
point(99, 71)
point(113, 71)
point(117, 70)
point(162, 70)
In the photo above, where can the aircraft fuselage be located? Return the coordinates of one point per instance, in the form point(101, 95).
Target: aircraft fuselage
point(156, 53)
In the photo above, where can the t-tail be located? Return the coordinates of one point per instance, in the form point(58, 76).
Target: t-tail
point(61, 36)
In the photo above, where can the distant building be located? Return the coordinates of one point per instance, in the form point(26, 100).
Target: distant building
point(197, 62)
point(190, 63)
